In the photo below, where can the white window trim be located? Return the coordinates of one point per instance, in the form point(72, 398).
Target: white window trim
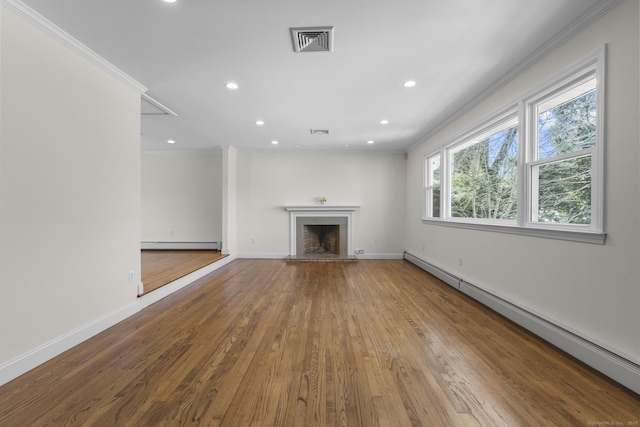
point(428, 185)
point(588, 68)
point(593, 64)
point(497, 121)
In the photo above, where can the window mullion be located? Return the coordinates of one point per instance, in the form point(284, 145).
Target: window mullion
point(552, 191)
point(445, 184)
point(523, 158)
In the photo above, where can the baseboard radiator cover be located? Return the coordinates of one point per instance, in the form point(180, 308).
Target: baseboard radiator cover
point(434, 270)
point(214, 246)
point(611, 364)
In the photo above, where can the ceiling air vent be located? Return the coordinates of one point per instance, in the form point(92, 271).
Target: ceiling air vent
point(312, 39)
point(319, 131)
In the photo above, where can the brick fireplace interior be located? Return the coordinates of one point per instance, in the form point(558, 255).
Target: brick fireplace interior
point(321, 237)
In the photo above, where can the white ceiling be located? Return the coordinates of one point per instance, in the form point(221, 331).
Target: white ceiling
point(185, 53)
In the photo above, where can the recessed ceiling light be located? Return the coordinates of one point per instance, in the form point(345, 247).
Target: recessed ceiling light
point(409, 83)
point(274, 142)
point(169, 1)
point(259, 122)
point(171, 141)
point(369, 142)
point(232, 85)
point(384, 122)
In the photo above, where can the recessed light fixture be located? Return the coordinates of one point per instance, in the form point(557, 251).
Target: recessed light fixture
point(169, 1)
point(259, 122)
point(409, 83)
point(384, 122)
point(274, 142)
point(370, 141)
point(232, 85)
point(171, 141)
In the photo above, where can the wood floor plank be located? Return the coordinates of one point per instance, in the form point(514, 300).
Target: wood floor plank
point(161, 267)
point(276, 343)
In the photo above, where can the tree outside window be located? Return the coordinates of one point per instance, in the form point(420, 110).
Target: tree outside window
point(484, 177)
point(566, 133)
point(536, 167)
point(433, 190)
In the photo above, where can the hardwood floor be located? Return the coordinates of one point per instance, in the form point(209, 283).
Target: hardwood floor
point(160, 267)
point(276, 343)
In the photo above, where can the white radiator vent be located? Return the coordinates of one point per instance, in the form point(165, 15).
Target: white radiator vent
point(312, 39)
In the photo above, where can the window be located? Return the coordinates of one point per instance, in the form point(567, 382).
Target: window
point(561, 166)
point(432, 186)
point(484, 174)
point(535, 168)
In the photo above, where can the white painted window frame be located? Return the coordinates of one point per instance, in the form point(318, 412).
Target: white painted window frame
point(526, 111)
point(589, 68)
point(429, 186)
point(503, 120)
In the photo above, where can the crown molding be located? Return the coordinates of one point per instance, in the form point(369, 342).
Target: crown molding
point(66, 39)
point(154, 102)
point(590, 16)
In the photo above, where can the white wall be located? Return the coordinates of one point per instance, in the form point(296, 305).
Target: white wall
point(591, 289)
point(69, 190)
point(269, 180)
point(181, 197)
point(229, 200)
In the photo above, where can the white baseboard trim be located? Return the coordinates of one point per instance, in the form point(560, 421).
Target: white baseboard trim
point(607, 361)
point(180, 245)
point(373, 255)
point(22, 364)
point(176, 285)
point(29, 360)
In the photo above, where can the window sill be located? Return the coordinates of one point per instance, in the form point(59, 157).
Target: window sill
point(574, 236)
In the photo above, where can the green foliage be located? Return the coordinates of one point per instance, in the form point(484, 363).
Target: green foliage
point(484, 174)
point(484, 180)
point(564, 194)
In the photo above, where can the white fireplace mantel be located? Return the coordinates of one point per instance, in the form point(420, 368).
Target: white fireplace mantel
point(322, 208)
point(296, 211)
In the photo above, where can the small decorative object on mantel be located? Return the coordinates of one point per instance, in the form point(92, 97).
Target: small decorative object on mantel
point(322, 200)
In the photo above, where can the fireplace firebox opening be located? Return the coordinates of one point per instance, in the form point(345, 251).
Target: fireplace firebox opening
point(321, 239)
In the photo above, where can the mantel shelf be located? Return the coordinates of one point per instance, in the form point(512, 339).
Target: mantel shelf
point(322, 208)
